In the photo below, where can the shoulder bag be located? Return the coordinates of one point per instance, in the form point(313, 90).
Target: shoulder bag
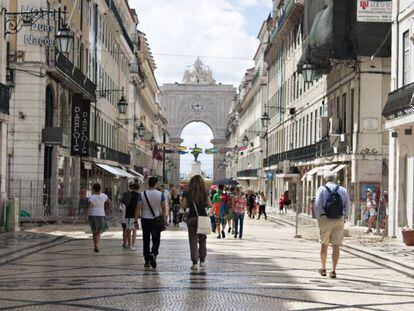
point(159, 220)
point(203, 223)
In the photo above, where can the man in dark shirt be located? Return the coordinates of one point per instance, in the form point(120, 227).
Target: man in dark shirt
point(131, 224)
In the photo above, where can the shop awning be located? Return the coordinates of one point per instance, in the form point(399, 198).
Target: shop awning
point(311, 172)
point(339, 168)
point(326, 168)
point(114, 170)
point(139, 176)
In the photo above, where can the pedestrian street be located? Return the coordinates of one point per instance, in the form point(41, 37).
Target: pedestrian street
point(267, 270)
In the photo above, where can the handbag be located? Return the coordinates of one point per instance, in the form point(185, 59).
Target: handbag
point(159, 220)
point(203, 223)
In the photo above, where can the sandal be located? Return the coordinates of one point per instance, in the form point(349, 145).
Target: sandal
point(322, 272)
point(332, 275)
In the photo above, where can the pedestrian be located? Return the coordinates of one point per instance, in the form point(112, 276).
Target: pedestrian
point(126, 197)
point(150, 206)
point(286, 200)
point(196, 201)
point(131, 199)
point(331, 210)
point(371, 210)
point(213, 216)
point(239, 203)
point(175, 206)
point(230, 211)
point(262, 205)
point(281, 204)
point(251, 203)
point(384, 203)
point(217, 200)
point(108, 207)
point(166, 192)
point(96, 214)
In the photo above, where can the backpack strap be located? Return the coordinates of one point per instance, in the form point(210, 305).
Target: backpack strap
point(336, 189)
point(327, 188)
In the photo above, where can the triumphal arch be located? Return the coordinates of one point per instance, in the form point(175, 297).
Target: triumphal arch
point(199, 98)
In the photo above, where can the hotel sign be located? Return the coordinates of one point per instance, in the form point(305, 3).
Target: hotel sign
point(47, 28)
point(81, 110)
point(374, 11)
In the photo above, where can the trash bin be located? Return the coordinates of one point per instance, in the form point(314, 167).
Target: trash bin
point(12, 215)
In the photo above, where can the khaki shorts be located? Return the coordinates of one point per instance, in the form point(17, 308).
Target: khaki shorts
point(331, 230)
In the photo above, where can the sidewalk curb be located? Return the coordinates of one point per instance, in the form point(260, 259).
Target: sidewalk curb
point(29, 250)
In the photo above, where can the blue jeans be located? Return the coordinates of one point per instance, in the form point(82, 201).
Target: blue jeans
point(238, 230)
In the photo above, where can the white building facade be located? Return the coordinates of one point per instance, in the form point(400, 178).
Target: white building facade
point(400, 119)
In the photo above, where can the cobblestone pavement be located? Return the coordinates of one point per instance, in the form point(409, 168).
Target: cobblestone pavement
point(267, 270)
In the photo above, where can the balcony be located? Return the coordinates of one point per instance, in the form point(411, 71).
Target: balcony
point(4, 98)
point(400, 102)
point(63, 70)
point(322, 148)
point(105, 153)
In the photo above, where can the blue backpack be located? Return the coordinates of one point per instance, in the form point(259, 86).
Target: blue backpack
point(334, 207)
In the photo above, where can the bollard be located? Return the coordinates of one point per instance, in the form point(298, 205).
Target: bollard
point(297, 235)
point(12, 215)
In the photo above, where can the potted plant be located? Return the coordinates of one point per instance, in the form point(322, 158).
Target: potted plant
point(408, 235)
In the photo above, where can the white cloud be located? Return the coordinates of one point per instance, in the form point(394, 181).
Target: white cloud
point(214, 28)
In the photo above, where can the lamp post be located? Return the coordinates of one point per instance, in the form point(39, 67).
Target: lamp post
point(308, 72)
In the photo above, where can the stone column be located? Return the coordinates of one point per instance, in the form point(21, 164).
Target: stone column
point(175, 171)
point(219, 157)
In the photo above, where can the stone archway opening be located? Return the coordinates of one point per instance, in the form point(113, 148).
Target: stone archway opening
point(199, 133)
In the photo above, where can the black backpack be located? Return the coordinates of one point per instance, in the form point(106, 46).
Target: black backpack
point(334, 207)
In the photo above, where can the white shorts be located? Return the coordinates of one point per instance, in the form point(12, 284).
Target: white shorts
point(129, 222)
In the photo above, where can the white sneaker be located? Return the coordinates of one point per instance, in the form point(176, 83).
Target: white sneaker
point(203, 264)
point(132, 249)
point(194, 267)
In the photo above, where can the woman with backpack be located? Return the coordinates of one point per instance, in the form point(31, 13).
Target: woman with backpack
point(196, 202)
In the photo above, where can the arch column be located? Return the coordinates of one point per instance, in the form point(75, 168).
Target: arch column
point(219, 157)
point(175, 158)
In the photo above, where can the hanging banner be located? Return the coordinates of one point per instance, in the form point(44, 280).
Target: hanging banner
point(374, 11)
point(81, 113)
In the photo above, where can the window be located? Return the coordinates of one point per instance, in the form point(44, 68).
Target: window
point(406, 58)
point(342, 119)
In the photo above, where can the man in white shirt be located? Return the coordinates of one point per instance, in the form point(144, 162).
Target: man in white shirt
point(331, 228)
point(151, 205)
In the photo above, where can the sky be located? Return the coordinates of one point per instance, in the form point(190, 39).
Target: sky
point(222, 32)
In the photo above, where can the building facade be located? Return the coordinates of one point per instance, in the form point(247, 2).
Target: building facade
point(66, 129)
point(398, 113)
point(331, 122)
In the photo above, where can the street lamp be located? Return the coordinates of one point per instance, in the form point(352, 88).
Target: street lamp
point(152, 142)
point(141, 130)
point(64, 39)
point(265, 119)
point(122, 104)
point(245, 140)
point(308, 72)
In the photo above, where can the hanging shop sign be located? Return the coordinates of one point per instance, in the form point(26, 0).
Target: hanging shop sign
point(81, 109)
point(52, 136)
point(269, 174)
point(374, 11)
point(42, 29)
